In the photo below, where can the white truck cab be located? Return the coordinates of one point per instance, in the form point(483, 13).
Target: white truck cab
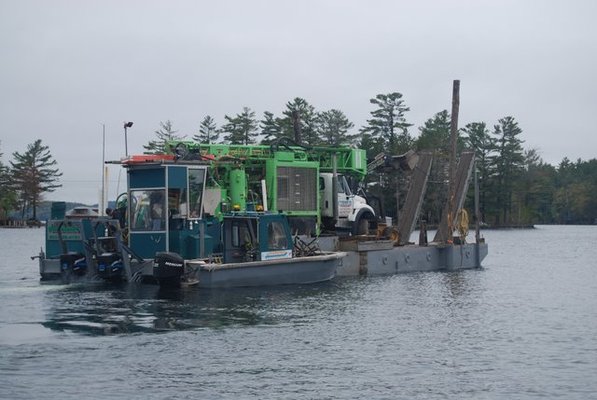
point(353, 212)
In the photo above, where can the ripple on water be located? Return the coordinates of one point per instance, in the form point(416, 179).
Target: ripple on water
point(521, 327)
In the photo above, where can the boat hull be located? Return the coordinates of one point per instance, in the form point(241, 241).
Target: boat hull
point(292, 271)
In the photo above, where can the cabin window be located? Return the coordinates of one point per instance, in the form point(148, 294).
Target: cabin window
point(148, 210)
point(276, 236)
point(241, 235)
point(177, 203)
point(196, 185)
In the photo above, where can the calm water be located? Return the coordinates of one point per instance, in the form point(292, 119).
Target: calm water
point(524, 326)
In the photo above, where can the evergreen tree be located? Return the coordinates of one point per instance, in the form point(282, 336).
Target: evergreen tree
point(387, 131)
point(574, 197)
point(163, 135)
point(388, 124)
point(306, 114)
point(435, 133)
point(208, 131)
point(3, 173)
point(508, 161)
point(8, 194)
point(270, 128)
point(535, 191)
point(434, 136)
point(241, 129)
point(478, 139)
point(332, 128)
point(587, 172)
point(34, 173)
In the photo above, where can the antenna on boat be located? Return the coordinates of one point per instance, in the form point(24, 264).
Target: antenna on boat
point(102, 207)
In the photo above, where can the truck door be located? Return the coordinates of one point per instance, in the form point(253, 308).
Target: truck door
point(344, 198)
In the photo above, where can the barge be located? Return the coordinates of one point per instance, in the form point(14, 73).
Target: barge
point(198, 215)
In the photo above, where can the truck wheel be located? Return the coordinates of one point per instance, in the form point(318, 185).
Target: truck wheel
point(361, 226)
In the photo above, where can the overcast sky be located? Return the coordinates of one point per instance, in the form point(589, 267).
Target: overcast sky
point(67, 67)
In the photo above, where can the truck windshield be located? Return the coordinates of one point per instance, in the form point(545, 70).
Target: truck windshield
point(343, 186)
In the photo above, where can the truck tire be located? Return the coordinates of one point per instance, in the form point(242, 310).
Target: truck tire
point(361, 224)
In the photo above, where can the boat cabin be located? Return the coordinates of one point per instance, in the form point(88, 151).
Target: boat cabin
point(253, 236)
point(165, 209)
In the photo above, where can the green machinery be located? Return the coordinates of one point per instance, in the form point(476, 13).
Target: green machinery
point(284, 178)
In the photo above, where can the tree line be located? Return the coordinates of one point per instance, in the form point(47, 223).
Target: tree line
point(516, 187)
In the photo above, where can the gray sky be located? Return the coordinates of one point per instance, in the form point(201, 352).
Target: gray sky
point(67, 67)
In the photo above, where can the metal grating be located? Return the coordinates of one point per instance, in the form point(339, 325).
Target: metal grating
point(297, 189)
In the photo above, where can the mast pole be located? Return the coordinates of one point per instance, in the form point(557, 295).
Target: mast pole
point(453, 141)
point(102, 209)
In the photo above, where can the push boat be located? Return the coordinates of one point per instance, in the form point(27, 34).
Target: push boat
point(180, 246)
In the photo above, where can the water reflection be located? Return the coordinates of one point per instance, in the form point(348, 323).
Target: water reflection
point(127, 309)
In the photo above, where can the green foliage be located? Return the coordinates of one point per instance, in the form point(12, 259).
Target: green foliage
point(478, 139)
point(316, 128)
point(34, 173)
point(434, 136)
point(208, 131)
point(8, 201)
point(387, 132)
point(332, 128)
point(508, 163)
point(270, 128)
point(8, 193)
point(534, 190)
point(241, 129)
point(163, 135)
point(574, 197)
point(388, 127)
point(306, 115)
point(515, 186)
point(435, 133)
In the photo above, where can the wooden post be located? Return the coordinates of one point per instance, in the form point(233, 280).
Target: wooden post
point(477, 211)
point(453, 141)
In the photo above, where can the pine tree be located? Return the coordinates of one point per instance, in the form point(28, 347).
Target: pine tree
point(3, 174)
point(435, 136)
point(574, 201)
point(306, 114)
point(435, 133)
point(535, 190)
point(8, 194)
point(270, 128)
point(332, 128)
point(477, 137)
point(34, 173)
point(241, 129)
point(508, 161)
point(388, 124)
point(208, 131)
point(163, 135)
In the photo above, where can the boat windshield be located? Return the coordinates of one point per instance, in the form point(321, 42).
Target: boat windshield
point(277, 239)
point(196, 187)
point(147, 210)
